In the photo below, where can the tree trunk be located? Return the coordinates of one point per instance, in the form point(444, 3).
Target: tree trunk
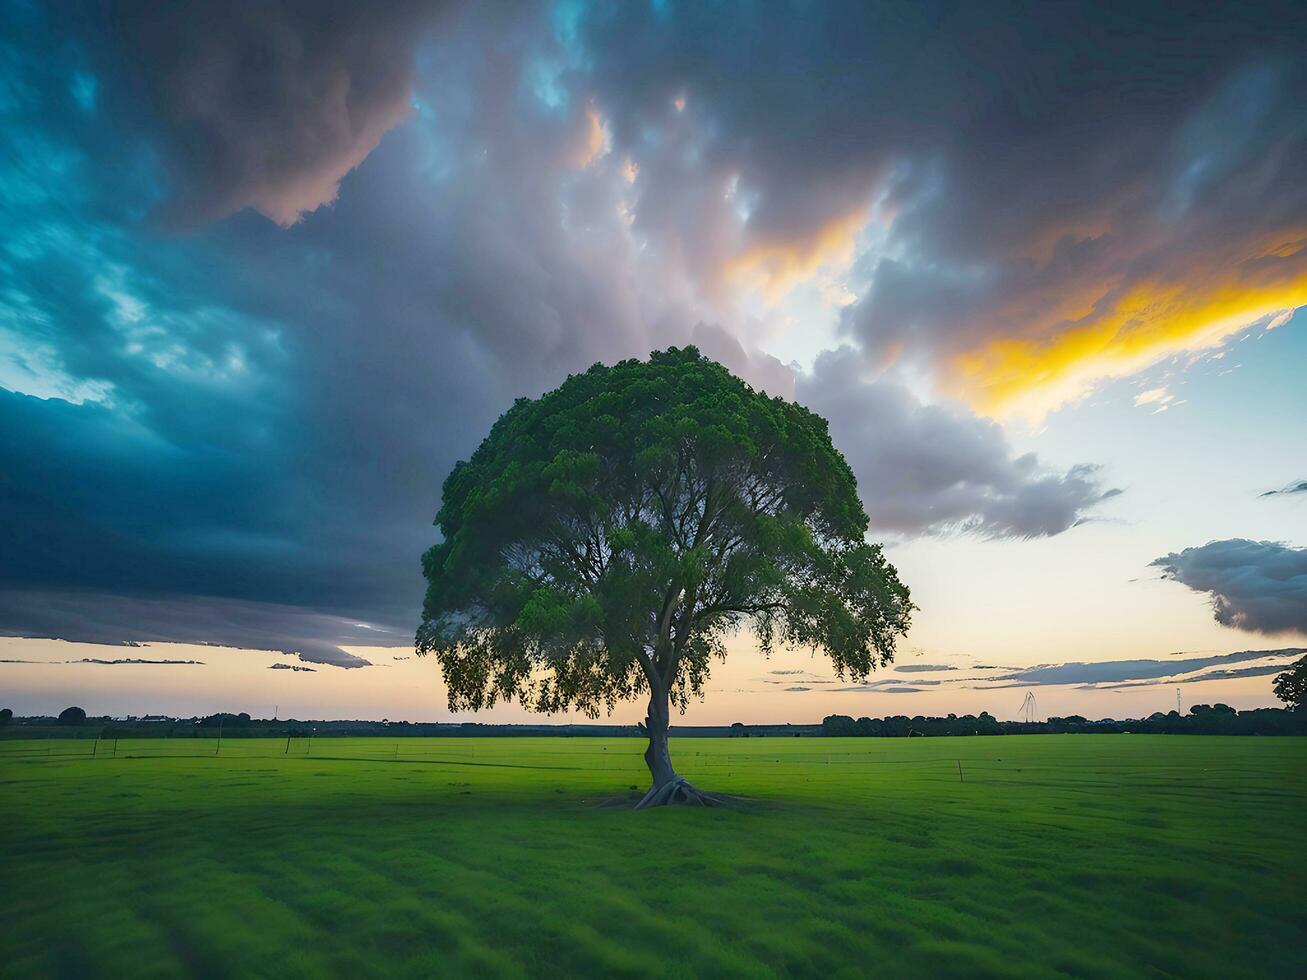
point(668, 787)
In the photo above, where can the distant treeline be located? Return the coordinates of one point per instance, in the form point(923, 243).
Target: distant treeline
point(1203, 719)
point(243, 726)
point(75, 723)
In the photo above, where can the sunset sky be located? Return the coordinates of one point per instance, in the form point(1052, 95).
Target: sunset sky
point(268, 271)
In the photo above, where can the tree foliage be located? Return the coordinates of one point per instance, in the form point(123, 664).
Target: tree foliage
point(1291, 686)
point(72, 716)
point(606, 538)
point(1218, 719)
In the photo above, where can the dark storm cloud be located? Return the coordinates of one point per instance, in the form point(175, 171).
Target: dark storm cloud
point(103, 618)
point(1088, 182)
point(266, 415)
point(263, 105)
point(1260, 586)
point(237, 427)
point(240, 411)
point(926, 467)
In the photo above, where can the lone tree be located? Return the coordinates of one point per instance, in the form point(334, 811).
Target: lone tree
point(604, 540)
point(72, 716)
point(1291, 686)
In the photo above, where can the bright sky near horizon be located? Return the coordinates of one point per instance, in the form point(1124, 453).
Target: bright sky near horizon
point(268, 270)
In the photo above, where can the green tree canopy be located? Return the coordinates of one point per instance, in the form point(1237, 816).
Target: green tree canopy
point(606, 538)
point(72, 716)
point(1291, 686)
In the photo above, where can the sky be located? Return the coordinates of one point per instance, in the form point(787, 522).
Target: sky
point(268, 270)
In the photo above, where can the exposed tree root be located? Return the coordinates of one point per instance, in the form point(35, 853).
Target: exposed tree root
point(679, 792)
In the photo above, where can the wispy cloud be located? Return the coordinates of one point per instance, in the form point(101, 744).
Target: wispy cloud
point(132, 660)
point(1114, 671)
point(1297, 486)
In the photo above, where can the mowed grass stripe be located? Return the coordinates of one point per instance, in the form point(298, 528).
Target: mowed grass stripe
point(1055, 855)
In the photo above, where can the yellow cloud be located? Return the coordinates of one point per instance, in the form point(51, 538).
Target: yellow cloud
point(595, 143)
point(1111, 329)
point(774, 266)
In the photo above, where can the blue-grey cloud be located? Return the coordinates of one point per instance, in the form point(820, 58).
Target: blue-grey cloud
point(1260, 586)
point(890, 686)
point(110, 618)
point(257, 418)
point(1297, 486)
point(931, 468)
point(260, 105)
point(1110, 671)
point(1264, 670)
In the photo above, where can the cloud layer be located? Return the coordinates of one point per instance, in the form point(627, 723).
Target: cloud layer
point(928, 467)
point(105, 618)
point(1116, 671)
point(1042, 196)
point(252, 404)
point(1260, 586)
point(264, 105)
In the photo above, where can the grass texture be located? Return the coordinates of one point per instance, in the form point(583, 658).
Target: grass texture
point(1021, 856)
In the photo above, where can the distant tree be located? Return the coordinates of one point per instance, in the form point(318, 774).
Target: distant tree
point(6, 716)
point(225, 719)
point(738, 730)
point(838, 726)
point(1291, 686)
point(72, 716)
point(1207, 719)
point(605, 539)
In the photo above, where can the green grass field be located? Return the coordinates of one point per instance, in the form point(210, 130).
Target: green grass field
point(1054, 855)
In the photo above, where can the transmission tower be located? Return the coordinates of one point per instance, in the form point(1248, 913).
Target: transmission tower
point(1029, 709)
